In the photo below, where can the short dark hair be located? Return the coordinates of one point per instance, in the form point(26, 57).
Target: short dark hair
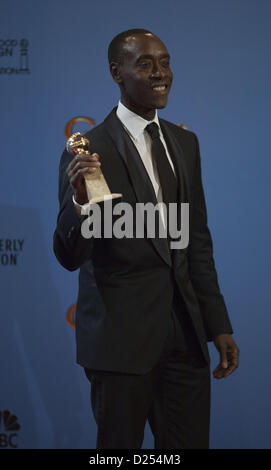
point(116, 45)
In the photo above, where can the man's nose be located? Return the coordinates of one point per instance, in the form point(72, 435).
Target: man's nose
point(157, 70)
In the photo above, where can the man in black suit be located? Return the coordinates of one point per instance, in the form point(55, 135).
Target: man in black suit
point(145, 311)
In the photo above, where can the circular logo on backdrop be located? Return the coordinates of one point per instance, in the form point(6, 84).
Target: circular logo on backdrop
point(70, 125)
point(70, 316)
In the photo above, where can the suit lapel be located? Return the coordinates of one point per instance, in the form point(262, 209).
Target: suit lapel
point(139, 176)
point(140, 179)
point(177, 156)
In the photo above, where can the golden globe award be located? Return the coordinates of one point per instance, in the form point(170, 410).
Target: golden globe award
point(96, 186)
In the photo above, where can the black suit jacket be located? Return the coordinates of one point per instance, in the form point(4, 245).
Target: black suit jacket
point(126, 285)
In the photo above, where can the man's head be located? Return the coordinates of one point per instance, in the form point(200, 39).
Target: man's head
point(139, 63)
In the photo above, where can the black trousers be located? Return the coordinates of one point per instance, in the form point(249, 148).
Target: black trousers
point(174, 396)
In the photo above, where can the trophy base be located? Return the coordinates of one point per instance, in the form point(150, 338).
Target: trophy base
point(105, 197)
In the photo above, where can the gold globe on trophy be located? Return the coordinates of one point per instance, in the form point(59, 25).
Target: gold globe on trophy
point(96, 186)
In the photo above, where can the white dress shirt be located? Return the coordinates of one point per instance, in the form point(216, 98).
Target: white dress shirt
point(135, 127)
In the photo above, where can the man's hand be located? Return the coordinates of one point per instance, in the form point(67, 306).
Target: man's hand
point(80, 166)
point(229, 356)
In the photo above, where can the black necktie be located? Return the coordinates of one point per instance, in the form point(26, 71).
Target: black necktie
point(167, 178)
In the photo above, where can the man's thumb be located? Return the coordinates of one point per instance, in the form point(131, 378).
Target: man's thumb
point(223, 358)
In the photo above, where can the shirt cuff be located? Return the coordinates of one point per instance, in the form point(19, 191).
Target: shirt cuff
point(81, 209)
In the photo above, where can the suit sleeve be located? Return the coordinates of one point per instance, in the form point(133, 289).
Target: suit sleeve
point(70, 247)
point(202, 269)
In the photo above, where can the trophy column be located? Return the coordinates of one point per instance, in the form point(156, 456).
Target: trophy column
point(96, 185)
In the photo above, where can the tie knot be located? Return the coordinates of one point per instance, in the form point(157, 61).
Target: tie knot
point(153, 130)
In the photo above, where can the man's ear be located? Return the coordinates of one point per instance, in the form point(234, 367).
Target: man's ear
point(115, 72)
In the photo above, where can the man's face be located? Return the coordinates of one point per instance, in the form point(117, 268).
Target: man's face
point(145, 74)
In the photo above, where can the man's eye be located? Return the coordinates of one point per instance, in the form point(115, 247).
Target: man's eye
point(144, 64)
point(165, 63)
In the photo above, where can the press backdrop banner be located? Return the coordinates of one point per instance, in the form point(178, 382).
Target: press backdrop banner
point(53, 73)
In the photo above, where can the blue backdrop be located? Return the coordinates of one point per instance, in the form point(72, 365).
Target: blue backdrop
point(53, 67)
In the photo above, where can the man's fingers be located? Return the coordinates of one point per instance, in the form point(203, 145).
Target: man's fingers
point(96, 155)
point(229, 358)
point(233, 356)
point(218, 373)
point(82, 158)
point(81, 172)
point(223, 357)
point(80, 167)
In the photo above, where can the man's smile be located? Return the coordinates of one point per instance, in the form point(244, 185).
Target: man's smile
point(161, 88)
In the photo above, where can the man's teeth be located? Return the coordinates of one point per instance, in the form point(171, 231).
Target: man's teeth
point(160, 88)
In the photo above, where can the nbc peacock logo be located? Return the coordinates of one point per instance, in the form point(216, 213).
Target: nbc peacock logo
point(8, 424)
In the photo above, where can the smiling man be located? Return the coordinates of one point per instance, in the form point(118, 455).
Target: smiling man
point(145, 311)
point(141, 66)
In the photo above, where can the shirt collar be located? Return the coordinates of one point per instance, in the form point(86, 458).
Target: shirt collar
point(134, 123)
